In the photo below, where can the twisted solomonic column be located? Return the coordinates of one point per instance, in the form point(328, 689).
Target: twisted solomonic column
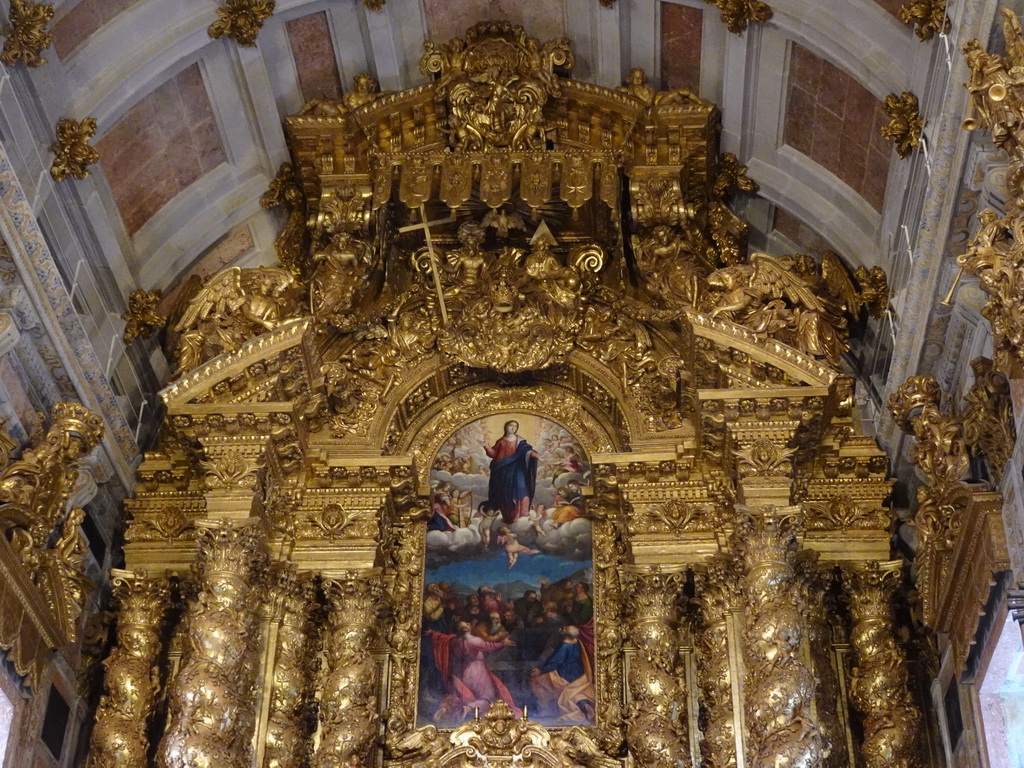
point(815, 581)
point(778, 686)
point(210, 724)
point(716, 593)
point(349, 711)
point(656, 720)
point(879, 686)
point(119, 739)
point(288, 739)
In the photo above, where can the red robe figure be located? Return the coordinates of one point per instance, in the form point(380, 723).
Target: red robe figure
point(469, 683)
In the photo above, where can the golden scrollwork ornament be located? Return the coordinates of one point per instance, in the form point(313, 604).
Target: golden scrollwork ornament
point(120, 738)
point(241, 20)
point(716, 594)
point(349, 713)
point(928, 17)
point(879, 686)
point(778, 685)
point(655, 725)
point(905, 122)
point(27, 36)
point(141, 318)
point(72, 153)
point(989, 429)
point(211, 700)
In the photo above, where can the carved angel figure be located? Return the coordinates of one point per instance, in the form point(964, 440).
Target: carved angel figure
point(637, 86)
point(790, 298)
point(670, 264)
point(364, 90)
point(466, 265)
point(759, 295)
point(234, 306)
point(341, 268)
point(562, 284)
point(995, 85)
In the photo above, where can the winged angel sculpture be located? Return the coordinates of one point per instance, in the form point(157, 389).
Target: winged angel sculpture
point(233, 307)
point(795, 300)
point(996, 87)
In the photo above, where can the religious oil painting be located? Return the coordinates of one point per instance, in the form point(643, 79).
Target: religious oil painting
point(508, 608)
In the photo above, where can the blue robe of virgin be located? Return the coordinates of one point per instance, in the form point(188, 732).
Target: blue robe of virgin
point(513, 478)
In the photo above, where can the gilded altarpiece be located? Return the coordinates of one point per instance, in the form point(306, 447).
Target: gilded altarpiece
point(515, 344)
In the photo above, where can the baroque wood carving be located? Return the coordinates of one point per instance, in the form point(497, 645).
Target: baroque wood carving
point(444, 481)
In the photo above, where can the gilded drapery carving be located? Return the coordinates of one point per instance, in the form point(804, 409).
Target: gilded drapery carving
point(211, 701)
point(121, 738)
point(779, 686)
point(349, 703)
point(656, 719)
point(879, 688)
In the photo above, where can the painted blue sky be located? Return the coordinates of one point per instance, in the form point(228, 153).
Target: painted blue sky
point(494, 571)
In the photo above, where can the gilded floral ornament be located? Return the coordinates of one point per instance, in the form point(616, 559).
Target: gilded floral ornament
point(141, 318)
point(905, 122)
point(27, 36)
point(241, 20)
point(72, 153)
point(737, 14)
point(926, 16)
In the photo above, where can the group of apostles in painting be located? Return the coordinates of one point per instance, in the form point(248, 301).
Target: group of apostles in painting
point(535, 651)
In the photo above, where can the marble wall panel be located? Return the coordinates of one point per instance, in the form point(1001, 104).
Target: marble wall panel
point(163, 144)
point(237, 241)
point(836, 121)
point(450, 18)
point(315, 61)
point(681, 33)
point(892, 6)
point(803, 236)
point(74, 27)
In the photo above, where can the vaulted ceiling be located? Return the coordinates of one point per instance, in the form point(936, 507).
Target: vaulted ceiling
point(190, 128)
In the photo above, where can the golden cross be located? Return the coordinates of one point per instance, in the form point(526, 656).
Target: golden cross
point(425, 226)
